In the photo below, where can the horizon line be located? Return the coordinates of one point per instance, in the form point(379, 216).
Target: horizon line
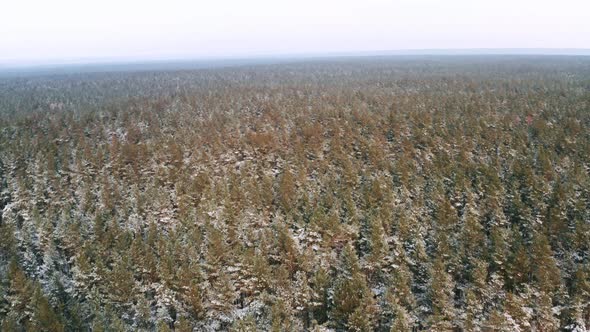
point(32, 64)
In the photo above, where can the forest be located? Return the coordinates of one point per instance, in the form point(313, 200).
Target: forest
point(393, 193)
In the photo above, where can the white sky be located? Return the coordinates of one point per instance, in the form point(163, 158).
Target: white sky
point(58, 30)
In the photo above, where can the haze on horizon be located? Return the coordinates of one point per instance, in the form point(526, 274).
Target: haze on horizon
point(38, 32)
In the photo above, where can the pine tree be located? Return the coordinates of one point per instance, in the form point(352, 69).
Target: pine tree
point(247, 324)
point(545, 318)
point(20, 292)
point(473, 235)
point(401, 321)
point(303, 295)
point(360, 320)
point(402, 286)
point(545, 272)
point(44, 318)
point(473, 311)
point(519, 269)
point(378, 248)
point(441, 295)
point(498, 322)
point(194, 299)
point(281, 319)
point(217, 248)
point(8, 243)
point(221, 295)
point(287, 249)
point(182, 324)
point(163, 326)
point(143, 312)
point(500, 248)
point(320, 287)
point(351, 297)
point(517, 309)
point(122, 284)
point(287, 191)
point(580, 316)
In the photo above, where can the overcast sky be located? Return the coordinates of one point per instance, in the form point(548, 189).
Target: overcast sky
point(62, 30)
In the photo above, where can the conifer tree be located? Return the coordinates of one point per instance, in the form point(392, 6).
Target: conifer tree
point(44, 317)
point(351, 298)
point(545, 319)
point(286, 190)
point(441, 295)
point(401, 321)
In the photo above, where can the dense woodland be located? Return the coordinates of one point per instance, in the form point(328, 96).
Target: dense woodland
point(369, 194)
